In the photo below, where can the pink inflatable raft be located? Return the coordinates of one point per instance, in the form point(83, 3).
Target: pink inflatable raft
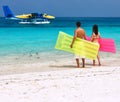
point(106, 45)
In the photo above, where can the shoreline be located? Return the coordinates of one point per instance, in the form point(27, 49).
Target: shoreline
point(35, 63)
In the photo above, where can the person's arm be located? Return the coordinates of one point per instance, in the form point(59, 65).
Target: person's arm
point(92, 38)
point(99, 35)
point(85, 37)
point(74, 38)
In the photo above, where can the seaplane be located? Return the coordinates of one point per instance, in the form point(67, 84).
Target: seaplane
point(31, 18)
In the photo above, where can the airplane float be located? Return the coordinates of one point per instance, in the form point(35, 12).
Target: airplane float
point(32, 18)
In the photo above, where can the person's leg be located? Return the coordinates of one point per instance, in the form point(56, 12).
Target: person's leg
point(98, 57)
point(93, 62)
point(77, 61)
point(83, 61)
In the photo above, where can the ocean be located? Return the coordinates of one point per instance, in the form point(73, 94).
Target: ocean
point(23, 39)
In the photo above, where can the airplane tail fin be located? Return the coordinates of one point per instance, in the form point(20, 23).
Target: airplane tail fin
point(7, 12)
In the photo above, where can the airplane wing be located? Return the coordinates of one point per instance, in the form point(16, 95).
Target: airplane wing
point(24, 16)
point(48, 16)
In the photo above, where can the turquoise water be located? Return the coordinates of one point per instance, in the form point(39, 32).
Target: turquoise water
point(22, 39)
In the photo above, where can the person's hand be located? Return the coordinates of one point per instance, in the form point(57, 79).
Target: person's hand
point(71, 46)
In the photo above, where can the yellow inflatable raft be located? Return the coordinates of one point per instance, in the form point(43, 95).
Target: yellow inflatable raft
point(81, 47)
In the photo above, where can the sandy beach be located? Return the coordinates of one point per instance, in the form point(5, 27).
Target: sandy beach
point(38, 43)
point(60, 81)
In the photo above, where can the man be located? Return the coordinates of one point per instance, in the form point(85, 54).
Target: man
point(80, 33)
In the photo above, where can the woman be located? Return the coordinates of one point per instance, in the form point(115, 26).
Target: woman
point(95, 38)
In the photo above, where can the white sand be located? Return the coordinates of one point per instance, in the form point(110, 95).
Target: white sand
point(60, 81)
point(99, 84)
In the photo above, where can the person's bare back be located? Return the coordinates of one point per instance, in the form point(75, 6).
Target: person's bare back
point(80, 33)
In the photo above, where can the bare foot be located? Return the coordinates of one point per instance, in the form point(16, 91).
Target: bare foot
point(78, 66)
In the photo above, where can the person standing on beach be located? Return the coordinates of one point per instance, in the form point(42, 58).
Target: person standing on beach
point(95, 38)
point(79, 33)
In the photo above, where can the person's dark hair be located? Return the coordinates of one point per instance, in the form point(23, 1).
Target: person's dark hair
point(78, 24)
point(95, 29)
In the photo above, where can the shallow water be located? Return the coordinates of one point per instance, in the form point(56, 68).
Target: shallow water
point(37, 41)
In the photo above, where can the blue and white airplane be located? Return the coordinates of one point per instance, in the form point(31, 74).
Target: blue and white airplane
point(34, 18)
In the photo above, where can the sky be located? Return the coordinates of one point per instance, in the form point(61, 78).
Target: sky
point(65, 8)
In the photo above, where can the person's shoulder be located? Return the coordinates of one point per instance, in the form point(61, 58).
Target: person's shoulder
point(81, 30)
point(93, 34)
point(75, 30)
